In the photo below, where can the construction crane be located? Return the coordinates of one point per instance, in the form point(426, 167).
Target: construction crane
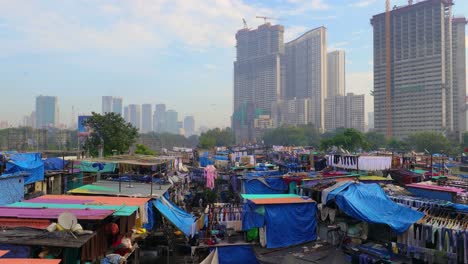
point(245, 23)
point(388, 71)
point(265, 18)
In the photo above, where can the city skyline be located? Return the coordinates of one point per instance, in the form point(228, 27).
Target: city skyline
point(190, 70)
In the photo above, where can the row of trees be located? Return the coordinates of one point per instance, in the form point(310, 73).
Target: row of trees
point(354, 140)
point(115, 135)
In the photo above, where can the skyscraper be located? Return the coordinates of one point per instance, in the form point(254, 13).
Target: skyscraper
point(134, 114)
point(306, 72)
point(159, 118)
point(423, 91)
point(257, 76)
point(291, 112)
point(459, 74)
point(345, 112)
point(189, 126)
point(370, 120)
point(126, 114)
point(106, 104)
point(335, 73)
point(172, 125)
point(146, 118)
point(47, 113)
point(117, 105)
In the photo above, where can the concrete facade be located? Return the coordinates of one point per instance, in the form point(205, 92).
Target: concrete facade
point(345, 112)
point(423, 94)
point(47, 112)
point(336, 72)
point(257, 76)
point(306, 72)
point(146, 118)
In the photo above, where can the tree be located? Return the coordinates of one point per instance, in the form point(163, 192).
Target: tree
point(394, 144)
point(434, 142)
point(292, 136)
point(216, 137)
point(375, 140)
point(144, 150)
point(112, 131)
point(350, 139)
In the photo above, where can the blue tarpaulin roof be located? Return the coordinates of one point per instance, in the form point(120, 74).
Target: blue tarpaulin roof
point(261, 185)
point(29, 163)
point(180, 218)
point(368, 202)
point(236, 254)
point(54, 164)
point(286, 224)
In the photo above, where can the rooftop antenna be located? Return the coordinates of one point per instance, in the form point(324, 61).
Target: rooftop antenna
point(245, 23)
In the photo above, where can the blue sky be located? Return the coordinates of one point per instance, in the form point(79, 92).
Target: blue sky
point(177, 52)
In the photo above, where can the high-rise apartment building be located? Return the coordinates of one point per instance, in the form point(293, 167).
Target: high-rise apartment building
point(189, 126)
point(47, 112)
point(370, 121)
point(291, 112)
point(257, 76)
point(159, 118)
point(134, 115)
point(305, 70)
point(146, 118)
point(459, 74)
point(106, 104)
point(126, 114)
point(336, 73)
point(117, 105)
point(172, 125)
point(345, 112)
point(424, 88)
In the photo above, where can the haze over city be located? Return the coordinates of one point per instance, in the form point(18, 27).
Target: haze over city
point(179, 53)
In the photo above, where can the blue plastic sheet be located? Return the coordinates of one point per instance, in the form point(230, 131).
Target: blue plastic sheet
point(27, 162)
point(218, 157)
point(264, 186)
point(290, 224)
point(11, 188)
point(368, 202)
point(236, 254)
point(151, 214)
point(180, 218)
point(54, 164)
point(252, 216)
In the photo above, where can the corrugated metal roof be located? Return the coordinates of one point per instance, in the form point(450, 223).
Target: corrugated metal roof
point(119, 210)
point(41, 213)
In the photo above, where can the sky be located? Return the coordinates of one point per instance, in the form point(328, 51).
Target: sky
point(177, 52)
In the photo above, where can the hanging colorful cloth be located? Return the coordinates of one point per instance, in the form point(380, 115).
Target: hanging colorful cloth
point(210, 174)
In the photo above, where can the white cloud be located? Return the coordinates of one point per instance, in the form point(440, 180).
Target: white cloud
point(363, 3)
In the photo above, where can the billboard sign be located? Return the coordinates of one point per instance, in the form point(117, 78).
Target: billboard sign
point(83, 130)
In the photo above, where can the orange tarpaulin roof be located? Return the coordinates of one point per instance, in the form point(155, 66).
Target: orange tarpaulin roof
point(105, 200)
point(281, 200)
point(3, 252)
point(30, 261)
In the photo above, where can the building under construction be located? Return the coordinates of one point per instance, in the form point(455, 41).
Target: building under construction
point(419, 69)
